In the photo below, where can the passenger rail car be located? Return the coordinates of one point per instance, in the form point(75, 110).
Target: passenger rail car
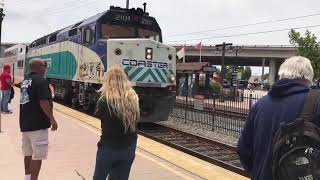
point(80, 54)
point(15, 57)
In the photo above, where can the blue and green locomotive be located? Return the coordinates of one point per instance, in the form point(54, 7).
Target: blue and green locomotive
point(80, 54)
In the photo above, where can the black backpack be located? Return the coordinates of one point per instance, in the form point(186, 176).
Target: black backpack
point(296, 145)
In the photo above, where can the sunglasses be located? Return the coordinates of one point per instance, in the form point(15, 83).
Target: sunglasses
point(45, 65)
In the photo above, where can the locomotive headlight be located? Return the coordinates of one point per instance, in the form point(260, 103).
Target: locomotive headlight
point(172, 79)
point(117, 52)
point(149, 53)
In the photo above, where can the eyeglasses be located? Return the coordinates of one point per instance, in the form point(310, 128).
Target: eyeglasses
point(45, 65)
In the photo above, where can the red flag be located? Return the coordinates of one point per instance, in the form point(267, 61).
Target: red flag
point(198, 46)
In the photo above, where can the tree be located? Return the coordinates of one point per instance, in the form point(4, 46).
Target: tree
point(229, 70)
point(217, 72)
point(307, 47)
point(246, 73)
point(265, 76)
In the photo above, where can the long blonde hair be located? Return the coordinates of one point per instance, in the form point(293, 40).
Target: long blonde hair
point(120, 97)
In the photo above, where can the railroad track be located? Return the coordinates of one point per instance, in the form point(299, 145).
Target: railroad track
point(216, 111)
point(233, 114)
point(214, 152)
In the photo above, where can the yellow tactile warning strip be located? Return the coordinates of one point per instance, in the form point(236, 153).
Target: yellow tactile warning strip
point(180, 159)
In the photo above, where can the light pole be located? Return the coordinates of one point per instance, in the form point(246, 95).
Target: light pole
point(236, 49)
point(234, 76)
point(1, 18)
point(223, 45)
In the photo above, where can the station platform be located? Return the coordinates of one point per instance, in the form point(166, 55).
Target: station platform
point(72, 152)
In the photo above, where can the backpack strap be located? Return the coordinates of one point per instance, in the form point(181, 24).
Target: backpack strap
point(310, 105)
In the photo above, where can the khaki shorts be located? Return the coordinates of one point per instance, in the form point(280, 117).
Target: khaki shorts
point(35, 144)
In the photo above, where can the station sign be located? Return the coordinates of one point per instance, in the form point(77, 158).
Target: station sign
point(209, 69)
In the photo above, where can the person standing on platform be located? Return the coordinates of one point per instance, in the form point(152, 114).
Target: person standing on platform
point(6, 84)
point(281, 106)
point(118, 110)
point(36, 116)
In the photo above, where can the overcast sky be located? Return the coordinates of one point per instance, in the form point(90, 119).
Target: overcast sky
point(27, 20)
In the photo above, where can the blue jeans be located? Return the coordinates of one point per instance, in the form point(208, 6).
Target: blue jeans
point(114, 162)
point(5, 100)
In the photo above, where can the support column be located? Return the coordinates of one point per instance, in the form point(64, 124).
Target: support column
point(262, 73)
point(278, 64)
point(272, 71)
point(196, 81)
point(190, 77)
point(207, 83)
point(177, 83)
point(186, 85)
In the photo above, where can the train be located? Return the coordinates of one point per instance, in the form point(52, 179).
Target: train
point(79, 55)
point(15, 57)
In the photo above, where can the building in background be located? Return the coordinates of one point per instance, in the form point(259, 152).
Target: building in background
point(5, 46)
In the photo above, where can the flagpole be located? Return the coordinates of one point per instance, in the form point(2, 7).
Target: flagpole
point(200, 52)
point(184, 53)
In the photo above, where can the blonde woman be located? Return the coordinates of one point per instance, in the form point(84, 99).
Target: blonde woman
point(118, 110)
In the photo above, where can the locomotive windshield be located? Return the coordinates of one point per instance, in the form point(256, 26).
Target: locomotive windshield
point(120, 31)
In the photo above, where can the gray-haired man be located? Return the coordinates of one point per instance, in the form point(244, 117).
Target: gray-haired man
point(283, 104)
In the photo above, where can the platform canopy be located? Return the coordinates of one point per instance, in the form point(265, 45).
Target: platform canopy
point(190, 67)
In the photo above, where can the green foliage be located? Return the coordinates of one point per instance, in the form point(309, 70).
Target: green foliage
point(307, 47)
point(214, 87)
point(229, 70)
point(265, 76)
point(218, 72)
point(245, 72)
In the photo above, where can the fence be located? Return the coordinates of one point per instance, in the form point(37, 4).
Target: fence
point(220, 113)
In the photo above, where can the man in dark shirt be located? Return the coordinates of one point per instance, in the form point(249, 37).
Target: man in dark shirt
point(36, 116)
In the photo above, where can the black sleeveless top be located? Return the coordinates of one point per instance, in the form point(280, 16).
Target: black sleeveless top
point(113, 131)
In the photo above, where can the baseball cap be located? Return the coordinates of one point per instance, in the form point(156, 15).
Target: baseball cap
point(7, 66)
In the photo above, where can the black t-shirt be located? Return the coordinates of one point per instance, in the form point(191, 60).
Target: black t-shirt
point(112, 128)
point(33, 89)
